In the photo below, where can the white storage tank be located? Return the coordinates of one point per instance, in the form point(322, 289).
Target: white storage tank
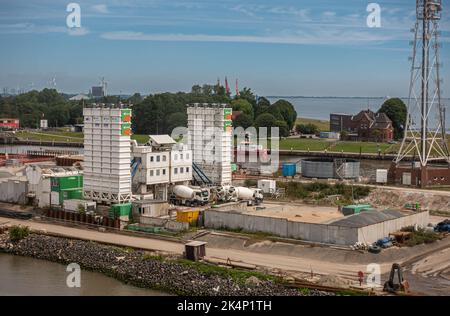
point(267, 186)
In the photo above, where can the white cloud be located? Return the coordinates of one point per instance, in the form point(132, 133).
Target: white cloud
point(329, 14)
point(324, 37)
point(30, 28)
point(100, 8)
point(78, 31)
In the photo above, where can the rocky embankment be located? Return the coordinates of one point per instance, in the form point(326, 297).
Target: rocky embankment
point(139, 269)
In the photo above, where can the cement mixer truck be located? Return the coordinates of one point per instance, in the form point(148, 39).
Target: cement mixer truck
point(189, 196)
point(251, 195)
point(227, 194)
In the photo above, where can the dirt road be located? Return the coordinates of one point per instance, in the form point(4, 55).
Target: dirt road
point(275, 261)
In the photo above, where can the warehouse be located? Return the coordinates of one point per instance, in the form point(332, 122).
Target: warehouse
point(365, 227)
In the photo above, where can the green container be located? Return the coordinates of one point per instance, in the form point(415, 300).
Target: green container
point(59, 184)
point(118, 210)
point(71, 194)
point(355, 209)
point(234, 167)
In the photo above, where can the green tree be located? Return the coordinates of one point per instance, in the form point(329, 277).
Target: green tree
point(243, 120)
point(243, 106)
point(275, 111)
point(262, 106)
point(207, 89)
point(135, 99)
point(287, 111)
point(396, 110)
point(197, 89)
point(283, 128)
point(175, 120)
point(265, 120)
point(248, 95)
point(307, 128)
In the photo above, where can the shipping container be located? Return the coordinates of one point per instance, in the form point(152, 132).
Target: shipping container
point(289, 169)
point(120, 210)
point(267, 186)
point(188, 216)
point(382, 176)
point(65, 183)
point(355, 209)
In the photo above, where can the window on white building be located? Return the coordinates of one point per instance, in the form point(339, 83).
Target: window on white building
point(164, 172)
point(158, 172)
point(158, 158)
point(175, 170)
point(187, 169)
point(151, 158)
point(181, 170)
point(151, 173)
point(181, 156)
point(176, 157)
point(164, 158)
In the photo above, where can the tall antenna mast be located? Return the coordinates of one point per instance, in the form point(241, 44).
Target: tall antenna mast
point(425, 135)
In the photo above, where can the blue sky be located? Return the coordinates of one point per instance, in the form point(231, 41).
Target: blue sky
point(285, 47)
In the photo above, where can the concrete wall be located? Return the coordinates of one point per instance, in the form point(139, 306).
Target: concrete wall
point(320, 233)
point(162, 222)
point(372, 233)
point(13, 191)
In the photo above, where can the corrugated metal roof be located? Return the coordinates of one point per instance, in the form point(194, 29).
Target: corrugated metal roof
point(367, 218)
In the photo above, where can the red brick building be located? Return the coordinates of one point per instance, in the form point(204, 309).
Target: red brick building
point(365, 126)
point(9, 124)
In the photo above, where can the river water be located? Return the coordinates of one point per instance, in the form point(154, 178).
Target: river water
point(28, 276)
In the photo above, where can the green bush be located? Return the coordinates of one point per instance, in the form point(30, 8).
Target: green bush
point(17, 232)
point(319, 190)
point(421, 236)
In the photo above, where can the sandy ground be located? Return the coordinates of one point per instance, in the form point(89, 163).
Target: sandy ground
point(299, 212)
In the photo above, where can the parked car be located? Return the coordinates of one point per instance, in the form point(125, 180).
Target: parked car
point(443, 227)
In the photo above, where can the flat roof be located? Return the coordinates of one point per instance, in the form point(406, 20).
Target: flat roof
point(162, 139)
point(195, 243)
point(367, 218)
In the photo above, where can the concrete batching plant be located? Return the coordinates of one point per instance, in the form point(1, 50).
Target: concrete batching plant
point(210, 139)
point(107, 155)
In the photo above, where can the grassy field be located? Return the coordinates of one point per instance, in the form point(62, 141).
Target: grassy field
point(324, 126)
point(356, 147)
point(304, 144)
point(334, 146)
point(64, 136)
point(57, 136)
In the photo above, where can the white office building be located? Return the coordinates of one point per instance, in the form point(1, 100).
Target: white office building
point(160, 163)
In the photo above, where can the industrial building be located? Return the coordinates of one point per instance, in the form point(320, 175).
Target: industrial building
point(366, 227)
point(160, 163)
point(51, 185)
point(330, 168)
point(210, 139)
point(107, 155)
point(9, 124)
